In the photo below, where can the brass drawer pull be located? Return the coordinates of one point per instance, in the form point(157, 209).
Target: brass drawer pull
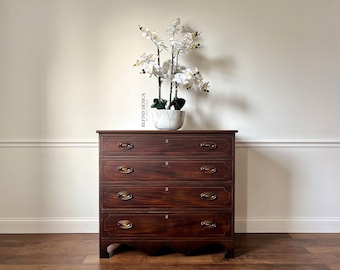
point(125, 224)
point(208, 145)
point(209, 224)
point(209, 196)
point(125, 146)
point(124, 169)
point(208, 169)
point(124, 195)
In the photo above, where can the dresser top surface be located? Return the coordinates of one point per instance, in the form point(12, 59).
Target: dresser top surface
point(167, 131)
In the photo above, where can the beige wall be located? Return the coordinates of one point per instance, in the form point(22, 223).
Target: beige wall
point(66, 71)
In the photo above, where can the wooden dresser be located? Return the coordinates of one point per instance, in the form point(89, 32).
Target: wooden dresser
point(170, 189)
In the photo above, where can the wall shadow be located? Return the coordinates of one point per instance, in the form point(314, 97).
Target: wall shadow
point(205, 112)
point(262, 188)
point(262, 194)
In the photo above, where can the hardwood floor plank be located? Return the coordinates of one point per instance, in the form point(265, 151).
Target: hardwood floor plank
point(253, 252)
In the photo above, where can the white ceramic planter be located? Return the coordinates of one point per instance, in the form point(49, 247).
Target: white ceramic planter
point(168, 119)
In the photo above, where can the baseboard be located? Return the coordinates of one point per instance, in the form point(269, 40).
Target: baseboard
point(287, 225)
point(242, 225)
point(49, 225)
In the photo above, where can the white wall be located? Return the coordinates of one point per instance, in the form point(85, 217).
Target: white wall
point(66, 71)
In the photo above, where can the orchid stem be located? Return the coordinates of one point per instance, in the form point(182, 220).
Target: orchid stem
point(159, 78)
point(172, 75)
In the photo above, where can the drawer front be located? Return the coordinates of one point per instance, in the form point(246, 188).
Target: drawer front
point(166, 145)
point(166, 197)
point(129, 170)
point(158, 225)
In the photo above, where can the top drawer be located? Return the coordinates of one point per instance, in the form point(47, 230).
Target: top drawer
point(166, 145)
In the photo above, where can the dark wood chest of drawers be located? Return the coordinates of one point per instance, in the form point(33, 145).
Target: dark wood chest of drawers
point(166, 189)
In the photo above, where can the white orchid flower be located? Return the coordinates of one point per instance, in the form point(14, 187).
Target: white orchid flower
point(174, 27)
point(180, 42)
point(152, 35)
point(180, 78)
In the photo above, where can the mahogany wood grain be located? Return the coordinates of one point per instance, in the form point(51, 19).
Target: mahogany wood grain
point(166, 190)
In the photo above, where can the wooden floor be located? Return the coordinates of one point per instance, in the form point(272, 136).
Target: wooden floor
point(253, 252)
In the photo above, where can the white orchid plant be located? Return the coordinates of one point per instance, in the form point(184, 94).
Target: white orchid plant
point(180, 42)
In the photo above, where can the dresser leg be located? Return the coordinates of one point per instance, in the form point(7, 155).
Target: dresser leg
point(108, 249)
point(229, 254)
point(103, 252)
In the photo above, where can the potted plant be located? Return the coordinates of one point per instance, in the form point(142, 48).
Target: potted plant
point(180, 41)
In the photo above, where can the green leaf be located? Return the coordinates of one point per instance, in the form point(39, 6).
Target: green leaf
point(178, 103)
point(159, 103)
